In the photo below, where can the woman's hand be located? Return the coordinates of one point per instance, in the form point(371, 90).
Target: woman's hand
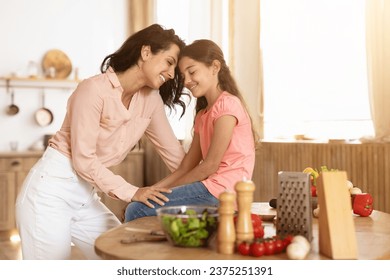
point(151, 193)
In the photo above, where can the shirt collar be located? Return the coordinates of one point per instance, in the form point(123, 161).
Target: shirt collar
point(113, 77)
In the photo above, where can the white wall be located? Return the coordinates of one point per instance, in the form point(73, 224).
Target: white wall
point(86, 30)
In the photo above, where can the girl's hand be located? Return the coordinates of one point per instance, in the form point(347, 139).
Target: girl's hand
point(151, 193)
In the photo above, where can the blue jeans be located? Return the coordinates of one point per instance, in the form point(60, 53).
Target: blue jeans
point(192, 194)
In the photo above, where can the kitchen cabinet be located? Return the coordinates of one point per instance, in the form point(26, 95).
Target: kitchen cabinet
point(14, 167)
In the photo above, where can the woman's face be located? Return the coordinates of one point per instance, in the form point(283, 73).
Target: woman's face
point(198, 77)
point(160, 67)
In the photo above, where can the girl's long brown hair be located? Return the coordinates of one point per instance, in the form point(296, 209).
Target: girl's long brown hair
point(206, 51)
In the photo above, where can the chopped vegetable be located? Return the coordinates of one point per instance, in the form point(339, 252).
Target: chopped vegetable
point(193, 231)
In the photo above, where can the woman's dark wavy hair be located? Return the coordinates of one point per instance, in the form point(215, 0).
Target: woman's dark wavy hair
point(159, 39)
point(206, 51)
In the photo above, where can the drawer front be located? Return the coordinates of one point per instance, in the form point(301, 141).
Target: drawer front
point(16, 164)
point(11, 164)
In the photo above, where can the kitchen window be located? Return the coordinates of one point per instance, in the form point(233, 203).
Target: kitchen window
point(313, 60)
point(315, 69)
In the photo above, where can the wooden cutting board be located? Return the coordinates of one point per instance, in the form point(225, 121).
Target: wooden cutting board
point(59, 61)
point(134, 234)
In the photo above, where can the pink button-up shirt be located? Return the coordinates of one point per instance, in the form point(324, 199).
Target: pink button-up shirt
point(99, 131)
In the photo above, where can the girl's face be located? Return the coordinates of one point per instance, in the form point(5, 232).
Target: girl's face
point(160, 67)
point(199, 78)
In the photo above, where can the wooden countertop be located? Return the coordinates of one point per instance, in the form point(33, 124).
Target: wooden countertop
point(15, 154)
point(372, 234)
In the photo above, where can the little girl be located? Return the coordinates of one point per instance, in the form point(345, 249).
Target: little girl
point(222, 151)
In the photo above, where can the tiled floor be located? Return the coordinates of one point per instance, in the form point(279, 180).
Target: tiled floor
point(10, 250)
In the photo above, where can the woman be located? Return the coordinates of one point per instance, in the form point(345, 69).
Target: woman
point(106, 116)
point(222, 151)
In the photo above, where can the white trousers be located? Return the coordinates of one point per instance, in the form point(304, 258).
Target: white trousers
point(56, 207)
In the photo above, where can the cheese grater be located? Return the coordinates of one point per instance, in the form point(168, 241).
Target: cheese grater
point(294, 210)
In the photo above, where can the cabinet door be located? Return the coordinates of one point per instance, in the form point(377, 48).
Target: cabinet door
point(26, 165)
point(7, 200)
point(132, 170)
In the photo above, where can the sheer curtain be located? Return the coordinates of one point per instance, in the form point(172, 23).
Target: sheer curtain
point(378, 63)
point(140, 14)
point(245, 59)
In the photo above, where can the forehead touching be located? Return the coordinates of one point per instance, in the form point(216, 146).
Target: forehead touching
point(186, 63)
point(173, 51)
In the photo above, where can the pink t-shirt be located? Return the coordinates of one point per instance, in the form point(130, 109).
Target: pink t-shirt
point(239, 159)
point(98, 131)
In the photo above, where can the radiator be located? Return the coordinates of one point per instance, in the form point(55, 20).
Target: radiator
point(367, 166)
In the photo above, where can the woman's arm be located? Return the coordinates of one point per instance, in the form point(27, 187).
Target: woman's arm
point(191, 159)
point(191, 170)
point(161, 134)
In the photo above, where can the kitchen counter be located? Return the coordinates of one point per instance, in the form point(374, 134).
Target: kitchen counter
point(372, 235)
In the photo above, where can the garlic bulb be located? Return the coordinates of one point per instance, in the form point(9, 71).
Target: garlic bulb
point(298, 248)
point(296, 251)
point(349, 185)
point(316, 212)
point(355, 190)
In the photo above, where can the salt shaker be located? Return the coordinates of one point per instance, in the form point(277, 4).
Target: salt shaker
point(226, 237)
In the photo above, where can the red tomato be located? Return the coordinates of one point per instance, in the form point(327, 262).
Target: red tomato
point(313, 191)
point(287, 240)
point(257, 249)
point(279, 246)
point(256, 220)
point(244, 248)
point(258, 232)
point(269, 247)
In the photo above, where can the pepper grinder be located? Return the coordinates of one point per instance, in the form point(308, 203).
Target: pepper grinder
point(244, 228)
point(226, 237)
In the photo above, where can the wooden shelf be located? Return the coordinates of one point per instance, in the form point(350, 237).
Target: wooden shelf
point(11, 82)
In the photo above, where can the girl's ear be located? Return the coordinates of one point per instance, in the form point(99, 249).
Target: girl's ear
point(216, 65)
point(145, 52)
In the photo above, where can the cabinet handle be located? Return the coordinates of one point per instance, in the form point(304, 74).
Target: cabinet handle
point(15, 163)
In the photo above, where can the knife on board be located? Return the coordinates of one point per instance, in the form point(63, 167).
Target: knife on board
point(147, 231)
point(149, 235)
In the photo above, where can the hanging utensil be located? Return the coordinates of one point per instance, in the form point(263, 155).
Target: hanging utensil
point(12, 109)
point(44, 116)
